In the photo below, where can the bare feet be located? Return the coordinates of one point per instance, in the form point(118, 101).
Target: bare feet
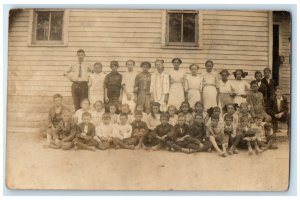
point(184, 150)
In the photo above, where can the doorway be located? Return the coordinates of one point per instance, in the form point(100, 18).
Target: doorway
point(276, 53)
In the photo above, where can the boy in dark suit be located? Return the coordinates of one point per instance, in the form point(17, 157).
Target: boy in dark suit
point(85, 134)
point(278, 109)
point(268, 82)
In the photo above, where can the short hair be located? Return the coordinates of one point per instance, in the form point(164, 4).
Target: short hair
point(244, 103)
point(194, 65)
point(146, 63)
point(172, 106)
point(86, 114)
point(106, 116)
point(215, 116)
point(198, 103)
point(98, 102)
point(174, 59)
point(209, 61)
point(112, 104)
point(224, 71)
point(85, 99)
point(165, 115)
point(267, 69)
point(66, 111)
point(114, 62)
point(133, 62)
point(228, 116)
point(57, 96)
point(244, 118)
point(257, 72)
point(278, 88)
point(234, 105)
point(253, 82)
point(138, 112)
point(123, 115)
point(80, 51)
point(155, 104)
point(258, 117)
point(158, 60)
point(97, 63)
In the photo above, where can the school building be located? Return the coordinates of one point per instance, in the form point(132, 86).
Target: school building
point(43, 43)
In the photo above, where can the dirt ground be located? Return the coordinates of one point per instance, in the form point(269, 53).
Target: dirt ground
point(30, 166)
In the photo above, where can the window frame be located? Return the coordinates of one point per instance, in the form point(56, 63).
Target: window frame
point(181, 45)
point(32, 29)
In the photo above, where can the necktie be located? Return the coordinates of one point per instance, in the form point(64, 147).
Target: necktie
point(79, 75)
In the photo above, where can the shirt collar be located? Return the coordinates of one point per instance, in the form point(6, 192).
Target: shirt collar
point(280, 99)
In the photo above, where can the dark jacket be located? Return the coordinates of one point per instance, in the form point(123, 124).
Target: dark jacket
point(272, 107)
point(197, 131)
point(51, 115)
point(270, 87)
point(66, 131)
point(91, 132)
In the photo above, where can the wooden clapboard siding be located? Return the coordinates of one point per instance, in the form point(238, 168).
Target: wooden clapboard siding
point(232, 39)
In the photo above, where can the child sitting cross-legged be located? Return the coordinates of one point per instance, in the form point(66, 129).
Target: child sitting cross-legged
point(85, 134)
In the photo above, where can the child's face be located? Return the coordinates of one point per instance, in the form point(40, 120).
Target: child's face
point(184, 108)
point(194, 70)
point(209, 67)
point(181, 121)
point(267, 73)
point(129, 66)
point(217, 111)
point(139, 108)
point(138, 117)
point(112, 109)
point(155, 109)
point(214, 122)
point(171, 111)
point(57, 101)
point(258, 77)
point(159, 66)
point(145, 68)
point(85, 105)
point(198, 108)
point(258, 121)
point(163, 120)
point(278, 92)
point(106, 120)
point(86, 119)
point(230, 109)
point(125, 109)
point(199, 120)
point(238, 75)
point(123, 120)
point(228, 121)
point(80, 56)
point(254, 87)
point(224, 76)
point(176, 64)
point(98, 106)
point(98, 68)
point(66, 116)
point(244, 123)
point(114, 67)
point(244, 107)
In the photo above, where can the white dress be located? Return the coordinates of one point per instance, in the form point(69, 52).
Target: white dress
point(240, 87)
point(159, 87)
point(176, 96)
point(96, 87)
point(193, 86)
point(210, 85)
point(225, 90)
point(128, 79)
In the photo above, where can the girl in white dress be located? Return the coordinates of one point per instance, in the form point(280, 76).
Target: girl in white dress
point(193, 86)
point(172, 111)
point(153, 119)
point(176, 95)
point(97, 113)
point(96, 84)
point(128, 80)
point(210, 86)
point(240, 87)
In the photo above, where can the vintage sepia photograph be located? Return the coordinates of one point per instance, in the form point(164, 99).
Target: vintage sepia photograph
point(137, 99)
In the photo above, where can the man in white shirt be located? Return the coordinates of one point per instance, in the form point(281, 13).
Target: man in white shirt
point(79, 75)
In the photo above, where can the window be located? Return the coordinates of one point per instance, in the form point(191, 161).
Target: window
point(182, 28)
point(48, 27)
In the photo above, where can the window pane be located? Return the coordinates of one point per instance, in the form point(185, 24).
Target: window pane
point(42, 27)
point(189, 27)
point(174, 27)
point(56, 25)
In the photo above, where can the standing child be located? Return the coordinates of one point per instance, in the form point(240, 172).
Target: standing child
point(85, 134)
point(240, 87)
point(215, 132)
point(210, 86)
point(64, 132)
point(113, 113)
point(97, 113)
point(186, 111)
point(112, 85)
point(105, 133)
point(142, 87)
point(85, 107)
point(225, 88)
point(156, 139)
point(125, 109)
point(193, 85)
point(262, 88)
point(172, 114)
point(153, 119)
point(128, 84)
point(96, 84)
point(123, 133)
point(269, 82)
point(255, 100)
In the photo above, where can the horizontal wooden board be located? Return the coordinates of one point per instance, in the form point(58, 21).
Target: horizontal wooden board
point(115, 29)
point(235, 18)
point(235, 28)
point(235, 42)
point(235, 38)
point(135, 18)
point(84, 24)
point(234, 23)
point(235, 33)
point(236, 13)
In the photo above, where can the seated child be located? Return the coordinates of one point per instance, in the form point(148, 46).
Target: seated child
point(64, 132)
point(231, 109)
point(215, 132)
point(85, 107)
point(154, 116)
point(144, 115)
point(125, 109)
point(105, 133)
point(156, 139)
point(97, 113)
point(139, 130)
point(199, 109)
point(264, 133)
point(113, 115)
point(172, 113)
point(123, 133)
point(54, 117)
point(213, 111)
point(85, 134)
point(244, 112)
point(186, 110)
point(229, 132)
